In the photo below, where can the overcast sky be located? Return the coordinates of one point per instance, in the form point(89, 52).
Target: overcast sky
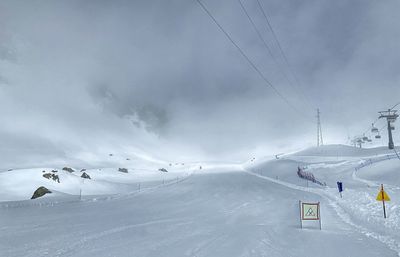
point(80, 79)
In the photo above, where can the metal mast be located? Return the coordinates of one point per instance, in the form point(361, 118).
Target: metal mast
point(320, 140)
point(391, 117)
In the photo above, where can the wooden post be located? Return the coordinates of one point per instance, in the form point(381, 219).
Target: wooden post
point(319, 216)
point(301, 221)
point(383, 202)
point(139, 186)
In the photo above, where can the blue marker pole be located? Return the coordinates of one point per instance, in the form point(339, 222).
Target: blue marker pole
point(340, 188)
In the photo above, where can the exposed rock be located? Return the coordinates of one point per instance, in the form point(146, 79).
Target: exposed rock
point(53, 176)
point(124, 170)
point(163, 170)
point(47, 175)
point(41, 191)
point(85, 175)
point(83, 170)
point(70, 170)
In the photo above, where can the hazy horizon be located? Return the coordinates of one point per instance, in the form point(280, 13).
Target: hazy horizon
point(82, 79)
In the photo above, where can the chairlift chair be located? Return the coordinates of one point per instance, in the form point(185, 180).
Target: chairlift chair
point(374, 129)
point(378, 136)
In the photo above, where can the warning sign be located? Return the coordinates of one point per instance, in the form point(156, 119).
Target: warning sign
point(310, 211)
point(382, 196)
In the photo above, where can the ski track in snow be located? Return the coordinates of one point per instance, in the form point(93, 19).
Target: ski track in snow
point(387, 240)
point(75, 247)
point(372, 183)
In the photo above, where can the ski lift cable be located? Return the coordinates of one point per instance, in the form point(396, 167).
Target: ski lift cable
point(267, 82)
point(290, 68)
point(369, 127)
point(368, 132)
point(265, 44)
point(394, 106)
point(377, 119)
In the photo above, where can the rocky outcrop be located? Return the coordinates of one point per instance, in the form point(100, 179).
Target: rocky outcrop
point(52, 175)
point(41, 191)
point(124, 170)
point(70, 170)
point(163, 170)
point(85, 175)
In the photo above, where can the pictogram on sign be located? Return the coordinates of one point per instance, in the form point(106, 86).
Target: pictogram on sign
point(309, 211)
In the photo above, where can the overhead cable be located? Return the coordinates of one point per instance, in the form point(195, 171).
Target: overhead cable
point(267, 82)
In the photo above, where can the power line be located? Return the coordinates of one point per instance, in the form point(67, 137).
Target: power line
point(269, 50)
point(320, 140)
point(281, 51)
point(248, 59)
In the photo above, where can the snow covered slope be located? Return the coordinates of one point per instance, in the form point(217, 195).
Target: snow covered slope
point(20, 184)
point(219, 210)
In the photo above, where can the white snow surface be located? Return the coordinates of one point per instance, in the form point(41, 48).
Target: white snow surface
point(220, 210)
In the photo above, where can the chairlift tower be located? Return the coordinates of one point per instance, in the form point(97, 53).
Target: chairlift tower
point(320, 140)
point(358, 141)
point(391, 116)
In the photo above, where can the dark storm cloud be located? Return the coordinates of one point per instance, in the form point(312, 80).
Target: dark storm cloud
point(159, 77)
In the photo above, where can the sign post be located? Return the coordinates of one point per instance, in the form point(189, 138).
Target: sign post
point(383, 196)
point(340, 188)
point(309, 211)
point(301, 221)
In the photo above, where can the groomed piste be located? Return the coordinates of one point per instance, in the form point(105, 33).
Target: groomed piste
point(222, 209)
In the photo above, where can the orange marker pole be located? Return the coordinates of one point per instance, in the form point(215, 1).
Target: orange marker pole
point(383, 201)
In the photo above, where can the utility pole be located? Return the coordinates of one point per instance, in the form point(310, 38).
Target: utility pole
point(391, 116)
point(320, 140)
